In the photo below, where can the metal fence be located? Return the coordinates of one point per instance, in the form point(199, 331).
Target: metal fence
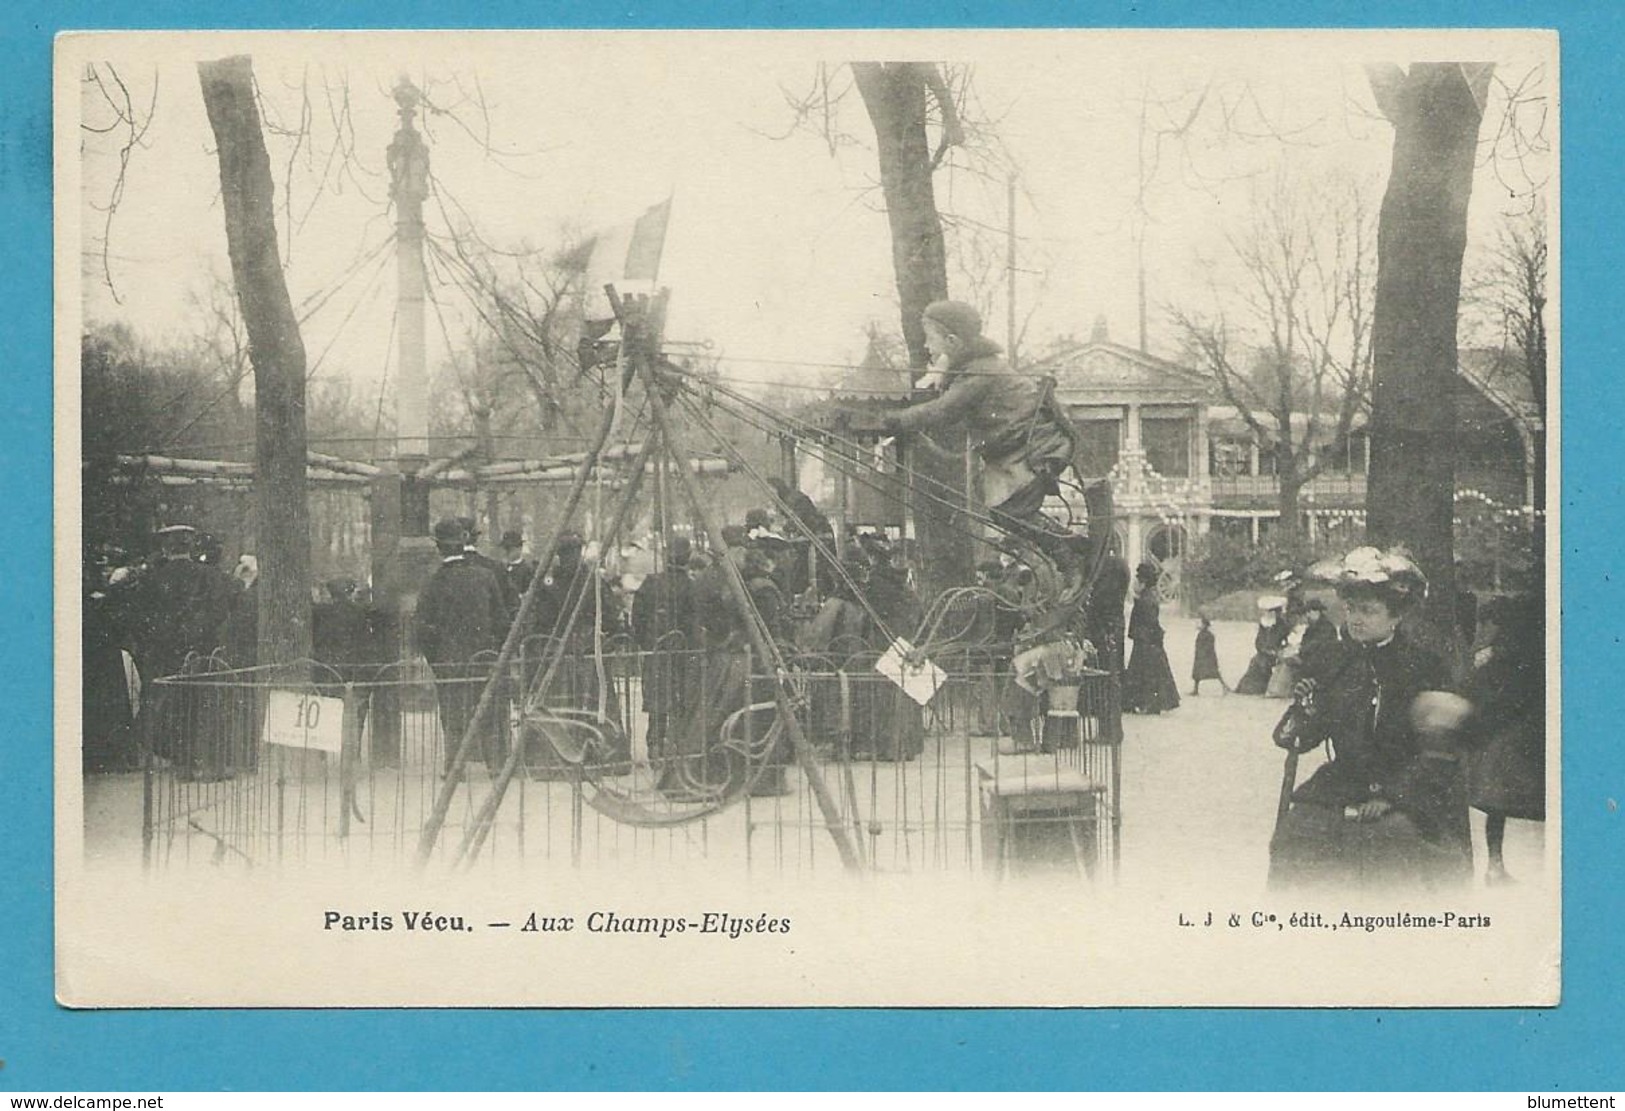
point(632, 757)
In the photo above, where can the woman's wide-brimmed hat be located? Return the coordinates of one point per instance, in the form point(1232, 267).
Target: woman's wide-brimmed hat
point(1393, 573)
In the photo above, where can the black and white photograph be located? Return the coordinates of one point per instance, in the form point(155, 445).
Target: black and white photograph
point(723, 518)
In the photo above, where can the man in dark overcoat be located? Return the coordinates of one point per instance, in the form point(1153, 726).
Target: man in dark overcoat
point(499, 720)
point(181, 606)
point(471, 527)
point(180, 609)
point(461, 614)
point(666, 628)
point(517, 570)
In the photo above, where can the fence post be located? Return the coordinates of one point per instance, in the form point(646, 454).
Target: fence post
point(575, 815)
point(147, 816)
point(281, 800)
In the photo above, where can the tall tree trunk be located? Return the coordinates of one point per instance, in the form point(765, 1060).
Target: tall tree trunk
point(895, 95)
point(278, 356)
point(1289, 491)
point(1435, 109)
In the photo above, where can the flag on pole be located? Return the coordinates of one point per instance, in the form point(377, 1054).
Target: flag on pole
point(628, 256)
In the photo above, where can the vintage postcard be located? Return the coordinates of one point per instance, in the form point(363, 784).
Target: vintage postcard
point(973, 518)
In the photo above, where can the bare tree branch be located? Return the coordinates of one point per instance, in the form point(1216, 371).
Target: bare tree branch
point(134, 127)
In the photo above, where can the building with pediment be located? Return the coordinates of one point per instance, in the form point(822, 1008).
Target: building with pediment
point(1144, 423)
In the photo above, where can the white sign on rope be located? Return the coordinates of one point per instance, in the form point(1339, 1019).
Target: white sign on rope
point(918, 676)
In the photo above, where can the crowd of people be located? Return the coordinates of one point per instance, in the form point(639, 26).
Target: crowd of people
point(1410, 744)
point(1407, 752)
point(686, 618)
point(144, 618)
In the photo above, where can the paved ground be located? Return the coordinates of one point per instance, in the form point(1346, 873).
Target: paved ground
point(1199, 788)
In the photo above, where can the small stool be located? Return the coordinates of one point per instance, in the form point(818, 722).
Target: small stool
point(1038, 814)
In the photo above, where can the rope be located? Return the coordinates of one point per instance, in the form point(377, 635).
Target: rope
point(1015, 543)
point(235, 381)
point(513, 315)
point(693, 409)
point(317, 301)
point(858, 467)
point(317, 365)
point(813, 434)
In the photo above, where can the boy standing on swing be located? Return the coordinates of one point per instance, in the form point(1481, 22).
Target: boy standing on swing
point(1025, 444)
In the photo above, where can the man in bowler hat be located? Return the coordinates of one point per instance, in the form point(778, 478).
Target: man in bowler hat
point(461, 614)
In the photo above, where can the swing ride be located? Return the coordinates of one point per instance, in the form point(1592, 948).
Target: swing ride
point(752, 698)
point(744, 703)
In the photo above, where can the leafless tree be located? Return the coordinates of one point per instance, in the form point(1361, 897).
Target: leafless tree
point(1508, 295)
point(308, 125)
point(883, 347)
point(1287, 340)
point(1507, 302)
point(527, 304)
point(1205, 134)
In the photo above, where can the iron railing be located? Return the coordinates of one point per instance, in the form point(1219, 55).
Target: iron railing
point(632, 756)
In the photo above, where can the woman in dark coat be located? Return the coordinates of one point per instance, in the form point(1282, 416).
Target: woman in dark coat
point(1318, 646)
point(1148, 683)
point(460, 616)
point(696, 762)
point(108, 709)
point(841, 625)
point(1389, 808)
point(1507, 774)
point(1267, 644)
point(888, 723)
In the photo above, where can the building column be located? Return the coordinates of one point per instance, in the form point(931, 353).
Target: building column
point(1131, 460)
point(1135, 541)
point(1201, 466)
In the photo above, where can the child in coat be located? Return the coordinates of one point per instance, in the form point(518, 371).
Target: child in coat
point(1207, 659)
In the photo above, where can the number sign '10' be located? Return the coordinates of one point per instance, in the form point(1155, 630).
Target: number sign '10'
point(299, 719)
